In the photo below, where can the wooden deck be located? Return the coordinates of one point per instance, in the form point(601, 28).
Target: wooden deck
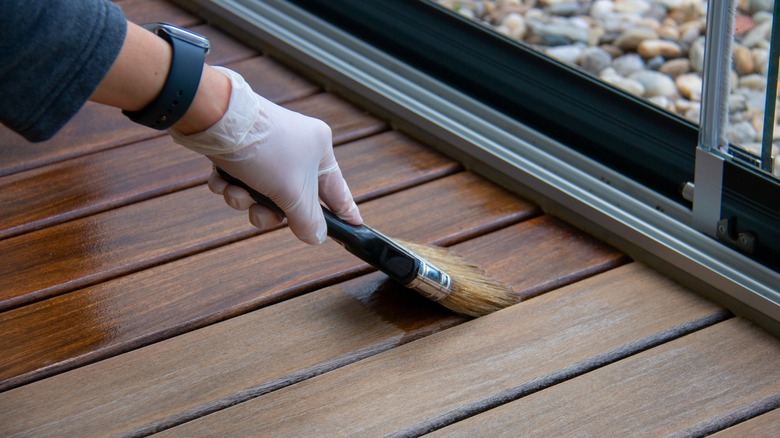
point(133, 301)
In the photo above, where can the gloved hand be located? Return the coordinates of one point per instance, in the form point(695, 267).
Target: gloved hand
point(280, 153)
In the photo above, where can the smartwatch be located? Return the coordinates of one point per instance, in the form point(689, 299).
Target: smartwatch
point(189, 53)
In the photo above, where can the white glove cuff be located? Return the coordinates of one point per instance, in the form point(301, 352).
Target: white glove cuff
point(226, 136)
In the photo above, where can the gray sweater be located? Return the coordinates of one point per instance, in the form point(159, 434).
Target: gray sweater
point(53, 54)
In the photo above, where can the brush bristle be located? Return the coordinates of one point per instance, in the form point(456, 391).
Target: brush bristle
point(474, 291)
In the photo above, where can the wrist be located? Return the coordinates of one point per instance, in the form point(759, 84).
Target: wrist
point(243, 118)
point(210, 104)
point(138, 73)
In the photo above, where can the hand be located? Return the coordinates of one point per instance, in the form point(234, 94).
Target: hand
point(280, 153)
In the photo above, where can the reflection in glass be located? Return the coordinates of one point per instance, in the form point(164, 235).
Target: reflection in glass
point(652, 49)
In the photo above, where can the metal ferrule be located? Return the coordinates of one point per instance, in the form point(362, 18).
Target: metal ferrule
point(431, 282)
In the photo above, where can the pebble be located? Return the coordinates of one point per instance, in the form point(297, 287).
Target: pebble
point(753, 82)
point(554, 34)
point(595, 59)
point(737, 104)
point(696, 55)
point(568, 54)
point(515, 25)
point(652, 49)
point(632, 37)
point(675, 67)
point(629, 63)
point(743, 61)
point(689, 86)
point(655, 83)
point(741, 132)
point(758, 36)
point(610, 76)
point(655, 62)
point(761, 60)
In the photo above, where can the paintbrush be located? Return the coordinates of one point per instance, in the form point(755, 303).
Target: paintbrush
point(434, 272)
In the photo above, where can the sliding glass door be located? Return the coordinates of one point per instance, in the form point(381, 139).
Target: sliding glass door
point(619, 81)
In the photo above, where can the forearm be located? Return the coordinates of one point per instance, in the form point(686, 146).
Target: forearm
point(139, 73)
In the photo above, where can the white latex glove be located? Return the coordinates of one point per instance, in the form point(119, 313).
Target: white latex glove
point(280, 153)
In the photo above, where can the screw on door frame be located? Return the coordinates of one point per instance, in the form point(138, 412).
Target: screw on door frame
point(727, 232)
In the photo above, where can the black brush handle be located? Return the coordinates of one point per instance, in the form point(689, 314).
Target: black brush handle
point(363, 241)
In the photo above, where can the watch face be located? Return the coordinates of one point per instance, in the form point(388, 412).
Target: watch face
point(180, 33)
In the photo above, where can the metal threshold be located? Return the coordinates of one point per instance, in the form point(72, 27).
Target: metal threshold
point(639, 222)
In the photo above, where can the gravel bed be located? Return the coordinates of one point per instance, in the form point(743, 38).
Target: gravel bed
point(653, 49)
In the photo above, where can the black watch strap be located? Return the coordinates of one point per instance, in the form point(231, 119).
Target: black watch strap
point(180, 87)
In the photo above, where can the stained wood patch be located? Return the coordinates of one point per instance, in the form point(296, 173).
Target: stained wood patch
point(175, 297)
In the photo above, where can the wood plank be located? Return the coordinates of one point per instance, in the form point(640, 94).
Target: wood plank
point(224, 49)
point(75, 254)
point(148, 389)
point(564, 331)
point(123, 240)
point(332, 109)
point(87, 185)
point(766, 425)
point(272, 80)
point(109, 179)
point(163, 301)
point(95, 127)
point(552, 254)
point(148, 11)
point(680, 388)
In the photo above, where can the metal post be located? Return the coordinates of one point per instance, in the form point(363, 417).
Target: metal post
point(771, 96)
point(713, 119)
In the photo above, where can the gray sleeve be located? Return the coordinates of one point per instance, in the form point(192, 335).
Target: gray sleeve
point(53, 55)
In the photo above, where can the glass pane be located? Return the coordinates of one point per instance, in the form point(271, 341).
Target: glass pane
point(652, 49)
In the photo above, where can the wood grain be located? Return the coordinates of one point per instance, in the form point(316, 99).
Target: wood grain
point(260, 351)
point(113, 178)
point(517, 346)
point(677, 388)
point(85, 251)
point(163, 301)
